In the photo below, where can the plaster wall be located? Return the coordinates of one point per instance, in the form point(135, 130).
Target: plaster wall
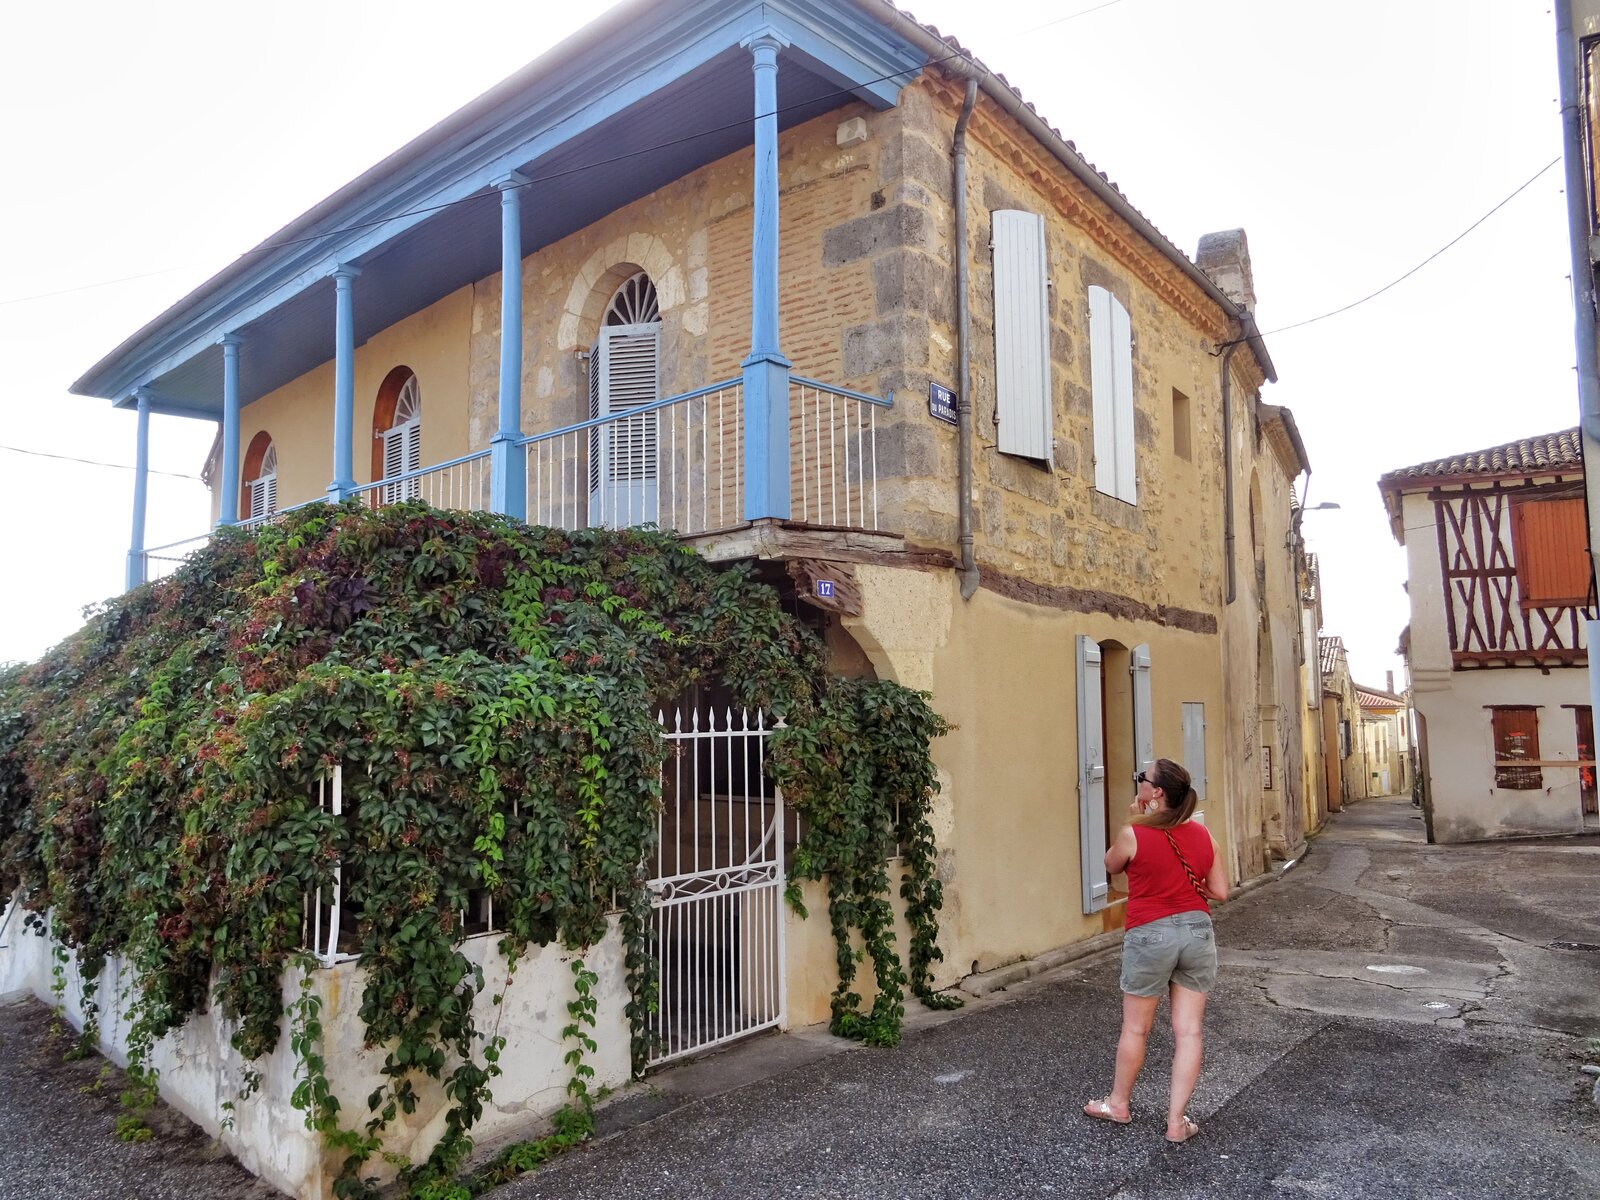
point(299, 415)
point(200, 1072)
point(1007, 817)
point(1454, 704)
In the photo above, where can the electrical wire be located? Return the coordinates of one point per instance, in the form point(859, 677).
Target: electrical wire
point(1393, 282)
point(91, 462)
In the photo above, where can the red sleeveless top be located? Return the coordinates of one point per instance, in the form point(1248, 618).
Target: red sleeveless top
point(1157, 885)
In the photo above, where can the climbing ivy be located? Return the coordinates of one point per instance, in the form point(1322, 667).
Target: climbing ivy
point(485, 691)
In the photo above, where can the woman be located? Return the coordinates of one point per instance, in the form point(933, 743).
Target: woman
point(1173, 870)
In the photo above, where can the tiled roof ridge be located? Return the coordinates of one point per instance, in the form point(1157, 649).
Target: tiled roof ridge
point(1370, 697)
point(1542, 453)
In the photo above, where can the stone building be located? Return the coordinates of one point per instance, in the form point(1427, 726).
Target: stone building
point(895, 339)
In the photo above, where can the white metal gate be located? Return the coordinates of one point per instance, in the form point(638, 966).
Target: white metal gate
point(717, 891)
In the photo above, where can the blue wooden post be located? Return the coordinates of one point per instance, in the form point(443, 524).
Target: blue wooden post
point(141, 483)
point(344, 382)
point(766, 370)
point(508, 468)
point(228, 513)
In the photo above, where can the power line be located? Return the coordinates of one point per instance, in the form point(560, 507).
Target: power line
point(1374, 295)
point(555, 175)
point(91, 462)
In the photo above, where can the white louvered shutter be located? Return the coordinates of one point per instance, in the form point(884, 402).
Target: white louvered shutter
point(1021, 333)
point(1111, 383)
point(1194, 744)
point(625, 374)
point(1091, 777)
point(1122, 374)
point(263, 488)
point(594, 411)
point(402, 444)
point(1144, 730)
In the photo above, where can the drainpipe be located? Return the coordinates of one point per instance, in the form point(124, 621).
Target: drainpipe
point(1227, 470)
point(1578, 221)
point(969, 558)
point(1583, 296)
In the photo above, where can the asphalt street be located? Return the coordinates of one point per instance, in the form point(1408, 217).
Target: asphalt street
point(1392, 1020)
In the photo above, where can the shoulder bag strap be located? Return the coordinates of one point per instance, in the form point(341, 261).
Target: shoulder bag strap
point(1194, 880)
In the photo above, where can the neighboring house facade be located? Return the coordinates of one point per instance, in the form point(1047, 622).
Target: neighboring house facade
point(1500, 588)
point(1341, 720)
point(1383, 741)
point(1314, 765)
point(914, 355)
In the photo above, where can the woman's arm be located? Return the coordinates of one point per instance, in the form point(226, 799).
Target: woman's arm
point(1122, 851)
point(1216, 880)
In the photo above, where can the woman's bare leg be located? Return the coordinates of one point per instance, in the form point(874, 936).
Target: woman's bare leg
point(1188, 1012)
point(1138, 1014)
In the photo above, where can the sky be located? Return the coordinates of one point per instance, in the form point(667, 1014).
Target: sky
point(1350, 141)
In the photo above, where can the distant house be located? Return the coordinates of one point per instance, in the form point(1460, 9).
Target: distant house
point(1383, 741)
point(1500, 588)
point(1341, 720)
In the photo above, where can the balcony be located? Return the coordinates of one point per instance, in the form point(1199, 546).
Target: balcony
point(677, 464)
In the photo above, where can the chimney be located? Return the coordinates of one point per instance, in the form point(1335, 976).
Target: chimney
point(1225, 257)
point(1389, 675)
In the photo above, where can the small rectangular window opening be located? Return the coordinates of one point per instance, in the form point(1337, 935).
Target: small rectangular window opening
point(1181, 430)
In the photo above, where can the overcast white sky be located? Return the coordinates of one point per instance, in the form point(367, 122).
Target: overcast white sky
point(1351, 141)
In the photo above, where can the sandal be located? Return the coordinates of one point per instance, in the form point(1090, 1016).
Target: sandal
point(1100, 1110)
point(1189, 1130)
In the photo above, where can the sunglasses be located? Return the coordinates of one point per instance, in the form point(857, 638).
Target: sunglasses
point(1141, 777)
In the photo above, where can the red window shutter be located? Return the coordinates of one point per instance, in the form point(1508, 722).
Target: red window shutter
point(1550, 541)
point(1516, 736)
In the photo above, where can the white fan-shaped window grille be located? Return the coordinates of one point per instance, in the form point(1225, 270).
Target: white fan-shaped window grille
point(263, 488)
point(634, 303)
point(624, 373)
point(402, 444)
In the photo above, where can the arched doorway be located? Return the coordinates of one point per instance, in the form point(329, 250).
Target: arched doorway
point(397, 434)
point(625, 373)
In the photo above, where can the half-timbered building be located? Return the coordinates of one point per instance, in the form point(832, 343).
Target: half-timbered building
point(1500, 587)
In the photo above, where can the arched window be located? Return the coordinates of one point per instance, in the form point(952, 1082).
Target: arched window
point(259, 496)
point(397, 434)
point(624, 373)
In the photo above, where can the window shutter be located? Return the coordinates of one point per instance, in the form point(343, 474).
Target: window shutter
point(394, 458)
point(1144, 731)
point(1021, 333)
point(624, 374)
point(1122, 375)
point(1549, 539)
point(1091, 777)
point(1516, 735)
point(594, 411)
point(632, 361)
point(1194, 745)
point(1111, 385)
point(1102, 386)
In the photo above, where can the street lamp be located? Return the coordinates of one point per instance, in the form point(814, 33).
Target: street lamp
point(1299, 514)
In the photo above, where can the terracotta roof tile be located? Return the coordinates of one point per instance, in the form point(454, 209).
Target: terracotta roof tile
point(1329, 651)
point(1545, 454)
point(1377, 698)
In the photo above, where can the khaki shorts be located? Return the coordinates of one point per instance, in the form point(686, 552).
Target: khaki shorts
point(1180, 949)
